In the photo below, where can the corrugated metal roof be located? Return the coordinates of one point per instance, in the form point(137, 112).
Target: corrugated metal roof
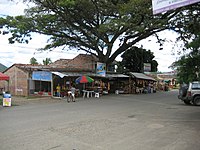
point(73, 74)
point(116, 76)
point(141, 76)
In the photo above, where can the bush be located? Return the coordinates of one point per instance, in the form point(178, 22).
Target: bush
point(1, 101)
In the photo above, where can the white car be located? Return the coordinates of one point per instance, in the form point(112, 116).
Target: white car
point(190, 93)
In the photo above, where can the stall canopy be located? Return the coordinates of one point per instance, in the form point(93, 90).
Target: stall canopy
point(141, 76)
point(116, 76)
point(3, 76)
point(62, 75)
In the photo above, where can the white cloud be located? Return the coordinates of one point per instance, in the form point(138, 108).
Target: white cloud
point(168, 54)
point(4, 2)
point(22, 53)
point(13, 8)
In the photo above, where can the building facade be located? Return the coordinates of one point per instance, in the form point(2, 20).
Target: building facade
point(27, 80)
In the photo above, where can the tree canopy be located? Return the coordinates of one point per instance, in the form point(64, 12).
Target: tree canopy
point(47, 61)
point(188, 67)
point(133, 60)
point(33, 61)
point(96, 26)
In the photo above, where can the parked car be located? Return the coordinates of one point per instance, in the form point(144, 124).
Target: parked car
point(190, 94)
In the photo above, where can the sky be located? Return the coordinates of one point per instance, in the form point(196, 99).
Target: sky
point(22, 53)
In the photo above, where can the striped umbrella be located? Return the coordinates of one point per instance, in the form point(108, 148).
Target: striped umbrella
point(84, 79)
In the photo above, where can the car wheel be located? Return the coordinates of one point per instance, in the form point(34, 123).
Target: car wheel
point(187, 102)
point(196, 101)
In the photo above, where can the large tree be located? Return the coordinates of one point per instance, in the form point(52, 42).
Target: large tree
point(188, 66)
point(133, 60)
point(187, 24)
point(95, 26)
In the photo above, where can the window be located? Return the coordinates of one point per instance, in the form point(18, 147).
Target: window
point(195, 85)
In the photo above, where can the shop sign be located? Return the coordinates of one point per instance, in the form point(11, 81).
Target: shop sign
point(101, 69)
point(42, 75)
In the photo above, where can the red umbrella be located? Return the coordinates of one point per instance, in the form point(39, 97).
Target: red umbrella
point(84, 79)
point(3, 76)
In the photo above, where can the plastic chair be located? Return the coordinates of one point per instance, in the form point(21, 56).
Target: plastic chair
point(96, 95)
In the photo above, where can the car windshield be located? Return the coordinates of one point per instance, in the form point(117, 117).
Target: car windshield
point(196, 86)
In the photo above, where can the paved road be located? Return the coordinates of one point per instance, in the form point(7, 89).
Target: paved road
point(156, 121)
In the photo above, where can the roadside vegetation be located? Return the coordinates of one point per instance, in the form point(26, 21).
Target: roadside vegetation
point(1, 101)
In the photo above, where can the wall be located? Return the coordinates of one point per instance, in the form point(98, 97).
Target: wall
point(18, 83)
point(82, 61)
point(3, 86)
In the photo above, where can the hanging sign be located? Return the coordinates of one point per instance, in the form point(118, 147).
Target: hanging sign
point(147, 67)
point(101, 69)
point(160, 6)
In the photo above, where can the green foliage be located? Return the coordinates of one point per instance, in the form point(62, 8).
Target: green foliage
point(187, 23)
point(1, 101)
point(94, 26)
point(47, 61)
point(188, 68)
point(133, 60)
point(33, 61)
point(2, 67)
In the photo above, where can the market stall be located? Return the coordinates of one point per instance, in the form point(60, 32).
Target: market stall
point(143, 83)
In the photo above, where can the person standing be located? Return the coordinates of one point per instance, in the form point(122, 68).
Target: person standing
point(58, 90)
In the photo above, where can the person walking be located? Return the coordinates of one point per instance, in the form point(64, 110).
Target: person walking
point(71, 94)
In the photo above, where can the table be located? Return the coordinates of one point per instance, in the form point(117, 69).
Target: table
point(87, 93)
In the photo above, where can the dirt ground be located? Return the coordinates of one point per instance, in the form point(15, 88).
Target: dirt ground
point(18, 100)
point(157, 121)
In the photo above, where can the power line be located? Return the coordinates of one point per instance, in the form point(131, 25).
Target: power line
point(4, 15)
point(18, 46)
point(38, 51)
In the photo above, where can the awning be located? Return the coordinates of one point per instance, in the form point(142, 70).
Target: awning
point(60, 74)
point(141, 76)
point(3, 76)
point(116, 76)
point(73, 74)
